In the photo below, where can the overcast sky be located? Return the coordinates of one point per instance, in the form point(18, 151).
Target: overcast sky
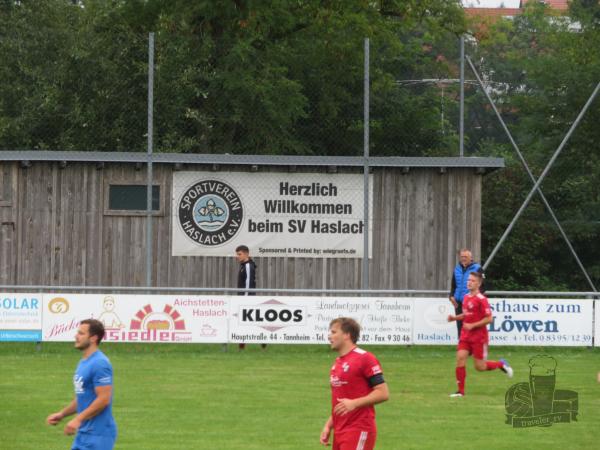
point(491, 3)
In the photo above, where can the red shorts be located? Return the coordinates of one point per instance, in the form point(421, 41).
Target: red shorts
point(479, 350)
point(354, 440)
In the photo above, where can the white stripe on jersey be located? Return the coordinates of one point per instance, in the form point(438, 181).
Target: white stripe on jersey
point(362, 440)
point(360, 351)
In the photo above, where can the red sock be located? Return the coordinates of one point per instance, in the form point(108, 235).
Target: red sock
point(461, 374)
point(491, 365)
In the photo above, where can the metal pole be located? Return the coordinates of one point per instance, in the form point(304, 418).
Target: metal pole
point(149, 240)
point(365, 260)
point(461, 130)
point(531, 177)
point(543, 175)
point(234, 291)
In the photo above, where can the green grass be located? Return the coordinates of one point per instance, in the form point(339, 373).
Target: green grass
point(200, 397)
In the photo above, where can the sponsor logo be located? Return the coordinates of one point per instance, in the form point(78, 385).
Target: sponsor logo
point(148, 325)
point(19, 303)
point(78, 384)
point(58, 305)
point(210, 212)
point(510, 324)
point(208, 331)
point(272, 315)
point(336, 382)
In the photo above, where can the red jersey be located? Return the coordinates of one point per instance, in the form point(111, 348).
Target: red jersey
point(475, 308)
point(349, 378)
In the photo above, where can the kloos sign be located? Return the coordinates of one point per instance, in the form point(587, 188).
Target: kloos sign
point(271, 315)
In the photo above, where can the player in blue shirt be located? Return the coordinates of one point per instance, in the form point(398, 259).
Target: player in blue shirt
point(94, 423)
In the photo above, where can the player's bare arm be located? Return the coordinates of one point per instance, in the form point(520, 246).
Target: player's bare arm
point(379, 394)
point(69, 410)
point(326, 432)
point(481, 323)
point(453, 301)
point(104, 394)
point(452, 318)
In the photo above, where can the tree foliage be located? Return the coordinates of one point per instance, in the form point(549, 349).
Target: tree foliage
point(232, 76)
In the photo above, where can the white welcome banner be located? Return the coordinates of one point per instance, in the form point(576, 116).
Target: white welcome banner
point(312, 215)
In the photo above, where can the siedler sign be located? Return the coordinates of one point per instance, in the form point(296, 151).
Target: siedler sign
point(138, 318)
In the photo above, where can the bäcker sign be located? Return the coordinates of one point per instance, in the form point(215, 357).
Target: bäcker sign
point(138, 318)
point(289, 215)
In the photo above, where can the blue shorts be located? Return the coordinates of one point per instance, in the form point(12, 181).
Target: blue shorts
point(86, 441)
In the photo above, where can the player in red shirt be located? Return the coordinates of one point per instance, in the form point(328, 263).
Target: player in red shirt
point(474, 335)
point(357, 385)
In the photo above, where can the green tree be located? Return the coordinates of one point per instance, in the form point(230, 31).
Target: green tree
point(546, 71)
point(232, 76)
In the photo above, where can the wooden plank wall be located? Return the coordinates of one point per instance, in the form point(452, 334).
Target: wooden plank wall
point(54, 231)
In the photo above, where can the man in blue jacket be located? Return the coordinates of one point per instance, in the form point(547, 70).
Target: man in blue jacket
point(465, 266)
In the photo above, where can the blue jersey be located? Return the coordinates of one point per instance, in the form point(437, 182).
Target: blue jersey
point(94, 371)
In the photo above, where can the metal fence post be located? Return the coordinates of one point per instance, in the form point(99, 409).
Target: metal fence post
point(150, 144)
point(531, 177)
point(540, 179)
point(365, 260)
point(461, 129)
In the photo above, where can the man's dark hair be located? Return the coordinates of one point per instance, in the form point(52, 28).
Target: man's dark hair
point(348, 326)
point(96, 328)
point(242, 248)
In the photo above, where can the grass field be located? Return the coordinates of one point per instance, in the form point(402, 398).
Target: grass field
point(200, 397)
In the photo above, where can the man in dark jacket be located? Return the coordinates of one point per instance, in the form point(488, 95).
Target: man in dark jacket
point(465, 266)
point(246, 275)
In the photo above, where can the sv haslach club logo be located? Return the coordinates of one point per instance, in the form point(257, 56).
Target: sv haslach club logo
point(538, 403)
point(271, 315)
point(210, 212)
point(58, 305)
